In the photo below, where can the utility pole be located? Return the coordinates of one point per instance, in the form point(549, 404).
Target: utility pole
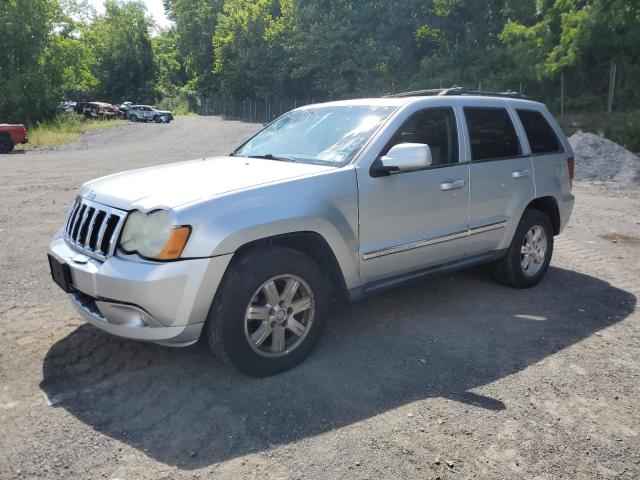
point(562, 94)
point(612, 85)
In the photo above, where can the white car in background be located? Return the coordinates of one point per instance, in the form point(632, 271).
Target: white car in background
point(146, 113)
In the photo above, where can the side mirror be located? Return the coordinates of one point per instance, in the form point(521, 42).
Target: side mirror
point(402, 157)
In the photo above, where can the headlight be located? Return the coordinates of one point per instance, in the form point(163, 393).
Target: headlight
point(153, 235)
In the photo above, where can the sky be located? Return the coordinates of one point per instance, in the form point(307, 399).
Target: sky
point(154, 7)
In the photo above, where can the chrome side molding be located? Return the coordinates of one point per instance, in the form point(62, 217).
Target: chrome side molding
point(432, 240)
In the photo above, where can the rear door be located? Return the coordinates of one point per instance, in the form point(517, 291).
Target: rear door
point(501, 174)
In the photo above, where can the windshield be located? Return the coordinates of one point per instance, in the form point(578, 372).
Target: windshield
point(329, 135)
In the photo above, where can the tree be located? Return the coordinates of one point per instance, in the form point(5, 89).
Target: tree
point(170, 72)
point(121, 43)
point(195, 23)
point(26, 90)
point(583, 38)
point(249, 56)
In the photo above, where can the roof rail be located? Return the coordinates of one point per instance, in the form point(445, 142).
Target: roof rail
point(455, 90)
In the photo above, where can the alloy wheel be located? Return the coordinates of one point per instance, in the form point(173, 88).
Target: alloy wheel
point(279, 315)
point(533, 251)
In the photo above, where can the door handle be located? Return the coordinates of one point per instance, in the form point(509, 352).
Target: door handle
point(521, 174)
point(452, 185)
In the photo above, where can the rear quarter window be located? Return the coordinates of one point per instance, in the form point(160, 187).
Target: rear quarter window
point(542, 138)
point(491, 134)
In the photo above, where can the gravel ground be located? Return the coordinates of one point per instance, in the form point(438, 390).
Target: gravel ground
point(454, 377)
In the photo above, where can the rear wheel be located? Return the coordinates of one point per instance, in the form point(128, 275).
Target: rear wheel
point(530, 252)
point(6, 144)
point(268, 312)
point(133, 118)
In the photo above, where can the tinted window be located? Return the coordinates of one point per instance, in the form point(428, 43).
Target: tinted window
point(434, 126)
point(491, 133)
point(541, 136)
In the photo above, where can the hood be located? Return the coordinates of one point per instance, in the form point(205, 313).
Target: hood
point(168, 186)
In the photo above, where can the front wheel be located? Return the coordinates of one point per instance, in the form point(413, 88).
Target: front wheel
point(530, 252)
point(6, 144)
point(268, 312)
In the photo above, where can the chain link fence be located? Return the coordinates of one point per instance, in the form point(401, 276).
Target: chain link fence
point(251, 109)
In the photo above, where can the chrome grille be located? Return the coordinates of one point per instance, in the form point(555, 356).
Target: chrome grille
point(93, 228)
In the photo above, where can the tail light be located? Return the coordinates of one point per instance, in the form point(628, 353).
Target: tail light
point(571, 167)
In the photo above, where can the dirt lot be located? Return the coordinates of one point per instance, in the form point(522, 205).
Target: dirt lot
point(454, 377)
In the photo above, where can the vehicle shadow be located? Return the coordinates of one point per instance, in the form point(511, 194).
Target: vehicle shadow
point(437, 338)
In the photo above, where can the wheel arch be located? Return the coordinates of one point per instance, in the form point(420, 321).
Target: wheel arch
point(311, 244)
point(549, 206)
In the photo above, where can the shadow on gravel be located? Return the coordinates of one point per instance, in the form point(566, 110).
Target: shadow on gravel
point(437, 338)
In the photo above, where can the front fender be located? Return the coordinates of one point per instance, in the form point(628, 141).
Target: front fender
point(326, 204)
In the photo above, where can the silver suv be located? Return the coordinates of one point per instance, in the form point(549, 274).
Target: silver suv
point(145, 113)
point(329, 201)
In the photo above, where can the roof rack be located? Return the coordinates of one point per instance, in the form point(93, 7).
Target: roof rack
point(455, 90)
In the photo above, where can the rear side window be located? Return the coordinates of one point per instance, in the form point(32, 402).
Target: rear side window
point(434, 126)
point(491, 134)
point(542, 138)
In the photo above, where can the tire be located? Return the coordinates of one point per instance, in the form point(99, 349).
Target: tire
point(229, 333)
point(133, 118)
point(6, 144)
point(156, 118)
point(513, 270)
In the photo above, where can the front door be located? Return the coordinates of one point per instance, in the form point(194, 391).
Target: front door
point(416, 219)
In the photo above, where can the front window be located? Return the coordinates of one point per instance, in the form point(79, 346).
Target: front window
point(330, 135)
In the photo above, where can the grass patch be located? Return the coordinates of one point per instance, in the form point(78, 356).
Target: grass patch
point(64, 129)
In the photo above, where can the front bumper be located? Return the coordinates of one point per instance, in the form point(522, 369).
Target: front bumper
point(160, 302)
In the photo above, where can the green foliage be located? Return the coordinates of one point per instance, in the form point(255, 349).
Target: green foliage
point(27, 87)
point(195, 22)
point(183, 102)
point(57, 49)
point(249, 54)
point(120, 41)
point(170, 74)
point(313, 49)
point(625, 130)
point(581, 38)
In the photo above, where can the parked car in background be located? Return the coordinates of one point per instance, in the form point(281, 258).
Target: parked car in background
point(146, 113)
point(66, 106)
point(335, 200)
point(98, 110)
point(124, 108)
point(11, 135)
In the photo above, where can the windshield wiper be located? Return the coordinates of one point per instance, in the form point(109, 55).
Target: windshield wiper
point(271, 156)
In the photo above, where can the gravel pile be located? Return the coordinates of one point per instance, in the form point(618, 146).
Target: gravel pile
point(601, 160)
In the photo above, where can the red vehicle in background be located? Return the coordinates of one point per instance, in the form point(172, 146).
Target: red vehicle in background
point(11, 135)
